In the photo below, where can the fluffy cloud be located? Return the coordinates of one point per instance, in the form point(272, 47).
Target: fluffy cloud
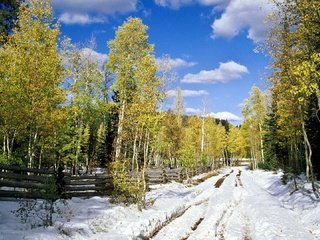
point(188, 93)
point(68, 18)
point(212, 2)
point(175, 63)
point(244, 14)
point(219, 115)
point(225, 116)
point(178, 62)
point(176, 4)
point(226, 72)
point(77, 11)
point(96, 56)
point(237, 15)
point(195, 111)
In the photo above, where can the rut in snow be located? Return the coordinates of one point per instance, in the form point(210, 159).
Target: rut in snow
point(238, 180)
point(230, 211)
point(193, 228)
point(221, 180)
point(195, 222)
point(171, 219)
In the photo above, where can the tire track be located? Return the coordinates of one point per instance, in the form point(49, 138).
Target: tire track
point(238, 180)
point(223, 221)
point(176, 216)
point(193, 226)
point(246, 230)
point(221, 180)
point(226, 217)
point(195, 212)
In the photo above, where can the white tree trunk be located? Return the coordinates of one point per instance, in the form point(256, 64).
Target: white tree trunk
point(31, 145)
point(134, 152)
point(261, 143)
point(202, 134)
point(308, 152)
point(120, 128)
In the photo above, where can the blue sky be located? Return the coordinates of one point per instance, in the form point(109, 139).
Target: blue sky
point(211, 43)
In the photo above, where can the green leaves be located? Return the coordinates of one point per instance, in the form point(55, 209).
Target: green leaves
point(30, 77)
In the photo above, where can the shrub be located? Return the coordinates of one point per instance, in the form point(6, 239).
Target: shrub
point(127, 189)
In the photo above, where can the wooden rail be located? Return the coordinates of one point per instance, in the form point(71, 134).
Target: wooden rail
point(235, 162)
point(16, 182)
point(159, 176)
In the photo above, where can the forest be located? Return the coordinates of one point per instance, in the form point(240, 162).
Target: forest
point(60, 106)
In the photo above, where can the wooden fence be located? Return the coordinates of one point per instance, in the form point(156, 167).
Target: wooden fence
point(158, 176)
point(234, 162)
point(18, 182)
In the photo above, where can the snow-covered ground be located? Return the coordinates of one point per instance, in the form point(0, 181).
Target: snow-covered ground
point(247, 205)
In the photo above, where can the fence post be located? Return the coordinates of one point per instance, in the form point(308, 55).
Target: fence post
point(60, 181)
point(164, 176)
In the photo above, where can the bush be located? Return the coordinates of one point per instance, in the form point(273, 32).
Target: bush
point(12, 160)
point(126, 189)
point(270, 165)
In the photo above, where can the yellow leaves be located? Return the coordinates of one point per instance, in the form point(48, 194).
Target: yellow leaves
point(131, 59)
point(33, 69)
point(132, 62)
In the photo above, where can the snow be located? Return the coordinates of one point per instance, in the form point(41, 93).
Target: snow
point(247, 205)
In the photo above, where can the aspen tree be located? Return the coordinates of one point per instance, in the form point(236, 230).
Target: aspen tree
point(33, 73)
point(132, 62)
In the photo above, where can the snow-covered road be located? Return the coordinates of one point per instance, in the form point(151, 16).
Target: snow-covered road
point(238, 209)
point(236, 204)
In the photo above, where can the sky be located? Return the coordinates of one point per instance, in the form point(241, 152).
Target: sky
point(212, 44)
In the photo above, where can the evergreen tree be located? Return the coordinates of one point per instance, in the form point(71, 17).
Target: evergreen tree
point(8, 16)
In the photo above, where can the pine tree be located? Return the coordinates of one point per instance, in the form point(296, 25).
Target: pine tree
point(8, 17)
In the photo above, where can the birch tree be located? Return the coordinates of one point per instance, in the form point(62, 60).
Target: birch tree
point(132, 62)
point(254, 112)
point(294, 45)
point(32, 74)
point(87, 101)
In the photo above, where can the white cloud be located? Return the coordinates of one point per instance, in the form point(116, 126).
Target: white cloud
point(96, 6)
point(85, 11)
point(244, 14)
point(178, 62)
point(175, 63)
point(226, 72)
point(219, 115)
point(225, 116)
point(96, 56)
point(237, 15)
point(70, 18)
point(188, 93)
point(193, 111)
point(176, 4)
point(213, 2)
